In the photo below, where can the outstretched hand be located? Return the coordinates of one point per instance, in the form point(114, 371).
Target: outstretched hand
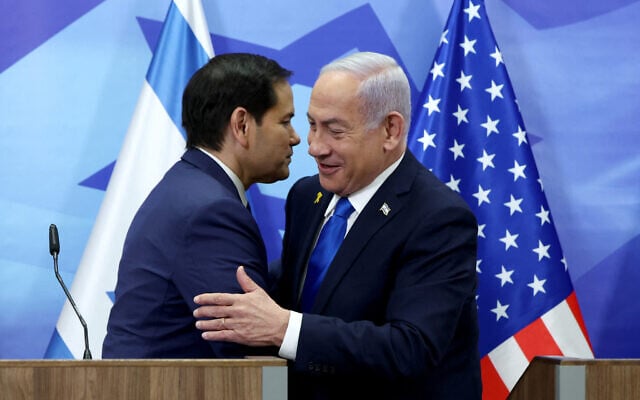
point(251, 318)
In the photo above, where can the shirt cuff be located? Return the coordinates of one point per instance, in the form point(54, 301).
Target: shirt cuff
point(289, 346)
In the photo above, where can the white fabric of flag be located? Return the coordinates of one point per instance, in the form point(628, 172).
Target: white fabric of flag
point(470, 133)
point(154, 142)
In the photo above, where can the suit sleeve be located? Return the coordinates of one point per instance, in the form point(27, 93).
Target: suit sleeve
point(218, 238)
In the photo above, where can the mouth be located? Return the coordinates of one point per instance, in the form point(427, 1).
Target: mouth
point(327, 169)
point(288, 159)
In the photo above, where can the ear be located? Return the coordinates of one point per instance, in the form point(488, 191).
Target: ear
point(238, 124)
point(394, 130)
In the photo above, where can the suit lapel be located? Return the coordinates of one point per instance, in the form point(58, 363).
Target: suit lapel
point(384, 206)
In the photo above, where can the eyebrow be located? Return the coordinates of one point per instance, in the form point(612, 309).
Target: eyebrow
point(329, 121)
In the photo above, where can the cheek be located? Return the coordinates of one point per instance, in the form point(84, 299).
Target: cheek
point(362, 163)
point(274, 138)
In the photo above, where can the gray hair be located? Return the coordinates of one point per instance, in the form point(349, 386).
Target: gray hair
point(384, 86)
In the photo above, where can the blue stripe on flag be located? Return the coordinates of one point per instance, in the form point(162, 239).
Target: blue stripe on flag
point(57, 348)
point(177, 57)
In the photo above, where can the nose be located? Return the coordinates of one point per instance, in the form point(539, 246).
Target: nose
point(295, 138)
point(317, 148)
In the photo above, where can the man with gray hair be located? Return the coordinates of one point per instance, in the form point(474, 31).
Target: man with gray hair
point(390, 312)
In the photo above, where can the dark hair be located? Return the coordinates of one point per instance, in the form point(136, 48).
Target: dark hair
point(228, 81)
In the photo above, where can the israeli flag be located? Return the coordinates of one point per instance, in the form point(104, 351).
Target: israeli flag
point(153, 143)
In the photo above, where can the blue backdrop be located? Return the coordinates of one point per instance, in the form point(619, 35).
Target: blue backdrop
point(71, 73)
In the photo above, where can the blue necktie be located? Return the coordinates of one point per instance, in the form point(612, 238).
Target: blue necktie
point(328, 243)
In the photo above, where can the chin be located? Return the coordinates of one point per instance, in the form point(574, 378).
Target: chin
point(276, 177)
point(284, 174)
point(328, 185)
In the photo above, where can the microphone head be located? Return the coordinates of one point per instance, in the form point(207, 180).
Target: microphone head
point(54, 241)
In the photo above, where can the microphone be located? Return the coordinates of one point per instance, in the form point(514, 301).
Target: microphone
point(54, 250)
point(54, 241)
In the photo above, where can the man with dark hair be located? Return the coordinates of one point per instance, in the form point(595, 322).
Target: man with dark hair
point(194, 228)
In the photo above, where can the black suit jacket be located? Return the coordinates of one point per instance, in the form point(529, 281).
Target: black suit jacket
point(395, 317)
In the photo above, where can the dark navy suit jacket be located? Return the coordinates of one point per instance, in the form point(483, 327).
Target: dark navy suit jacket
point(395, 317)
point(187, 238)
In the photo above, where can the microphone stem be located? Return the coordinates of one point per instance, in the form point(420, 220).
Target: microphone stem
point(87, 352)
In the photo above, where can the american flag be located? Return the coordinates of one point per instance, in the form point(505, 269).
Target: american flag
point(470, 133)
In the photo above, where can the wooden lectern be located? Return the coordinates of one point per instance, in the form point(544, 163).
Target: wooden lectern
point(558, 378)
point(225, 379)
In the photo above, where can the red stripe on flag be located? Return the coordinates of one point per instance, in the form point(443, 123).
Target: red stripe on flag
point(492, 386)
point(535, 340)
point(572, 301)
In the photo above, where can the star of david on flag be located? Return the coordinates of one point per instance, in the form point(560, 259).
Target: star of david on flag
point(470, 133)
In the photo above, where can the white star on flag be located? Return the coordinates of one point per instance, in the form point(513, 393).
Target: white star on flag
point(454, 184)
point(456, 149)
point(436, 71)
point(461, 115)
point(543, 215)
point(427, 140)
point(432, 105)
point(504, 276)
point(482, 195)
point(495, 91)
point(520, 135)
point(472, 11)
point(496, 55)
point(517, 171)
point(468, 46)
point(491, 125)
point(514, 205)
point(542, 250)
point(443, 37)
point(509, 240)
point(537, 285)
point(486, 160)
point(464, 81)
point(500, 310)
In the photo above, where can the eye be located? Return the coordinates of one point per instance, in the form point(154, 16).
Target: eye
point(336, 130)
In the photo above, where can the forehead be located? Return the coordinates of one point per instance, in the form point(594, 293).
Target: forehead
point(334, 94)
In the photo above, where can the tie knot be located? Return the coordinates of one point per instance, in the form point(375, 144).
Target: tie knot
point(343, 208)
